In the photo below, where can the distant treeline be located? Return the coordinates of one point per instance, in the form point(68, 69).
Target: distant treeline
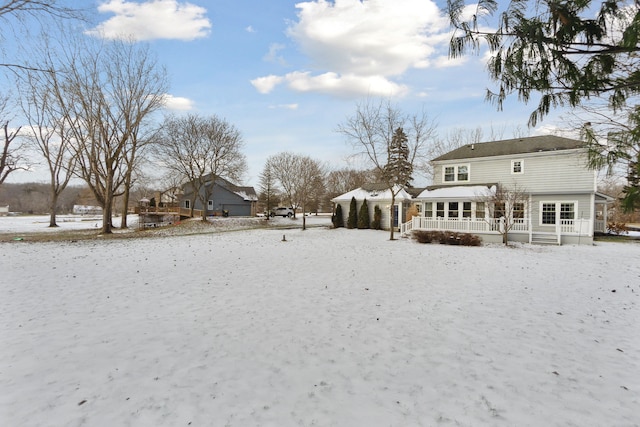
point(33, 198)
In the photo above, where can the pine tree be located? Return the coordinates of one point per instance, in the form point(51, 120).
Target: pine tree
point(338, 218)
point(376, 224)
point(398, 169)
point(352, 221)
point(363, 216)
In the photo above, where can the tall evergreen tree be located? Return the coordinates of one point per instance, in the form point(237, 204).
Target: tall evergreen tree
point(376, 224)
point(398, 169)
point(338, 217)
point(363, 216)
point(352, 221)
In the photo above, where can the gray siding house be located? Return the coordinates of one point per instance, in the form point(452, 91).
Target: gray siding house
point(561, 204)
point(225, 198)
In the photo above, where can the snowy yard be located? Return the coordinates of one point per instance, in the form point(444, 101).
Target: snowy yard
point(328, 328)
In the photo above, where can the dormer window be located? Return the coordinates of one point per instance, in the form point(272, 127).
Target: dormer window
point(456, 173)
point(517, 166)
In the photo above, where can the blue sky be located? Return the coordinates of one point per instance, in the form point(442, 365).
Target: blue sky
point(286, 73)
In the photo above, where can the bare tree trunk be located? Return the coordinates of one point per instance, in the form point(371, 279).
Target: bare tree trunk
point(125, 202)
point(53, 207)
point(107, 208)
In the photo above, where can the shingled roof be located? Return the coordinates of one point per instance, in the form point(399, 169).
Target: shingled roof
point(533, 144)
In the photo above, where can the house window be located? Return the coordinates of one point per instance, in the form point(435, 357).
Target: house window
point(428, 209)
point(480, 210)
point(466, 209)
point(456, 173)
point(499, 210)
point(463, 173)
point(517, 166)
point(418, 207)
point(548, 213)
point(187, 204)
point(567, 211)
point(440, 209)
point(518, 210)
point(453, 209)
point(449, 173)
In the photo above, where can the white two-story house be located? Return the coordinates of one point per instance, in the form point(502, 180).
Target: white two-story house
point(559, 202)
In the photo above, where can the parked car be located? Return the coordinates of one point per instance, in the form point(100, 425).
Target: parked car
point(283, 212)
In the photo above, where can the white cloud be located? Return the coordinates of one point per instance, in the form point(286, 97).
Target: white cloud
point(250, 29)
point(273, 54)
point(266, 84)
point(284, 107)
point(344, 85)
point(178, 103)
point(153, 19)
point(358, 47)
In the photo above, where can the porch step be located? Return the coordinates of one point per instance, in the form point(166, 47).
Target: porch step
point(544, 239)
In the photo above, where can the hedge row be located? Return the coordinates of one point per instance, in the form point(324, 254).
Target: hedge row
point(446, 238)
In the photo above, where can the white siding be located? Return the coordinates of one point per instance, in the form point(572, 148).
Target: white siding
point(556, 172)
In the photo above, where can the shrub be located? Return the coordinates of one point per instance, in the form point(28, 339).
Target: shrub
point(422, 236)
point(363, 216)
point(338, 218)
point(376, 224)
point(352, 221)
point(617, 228)
point(446, 238)
point(467, 239)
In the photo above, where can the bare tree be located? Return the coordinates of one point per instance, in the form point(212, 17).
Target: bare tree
point(268, 189)
point(371, 131)
point(22, 10)
point(12, 157)
point(506, 207)
point(105, 92)
point(49, 136)
point(201, 150)
point(300, 178)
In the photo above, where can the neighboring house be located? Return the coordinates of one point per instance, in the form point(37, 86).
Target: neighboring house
point(376, 194)
point(87, 210)
point(225, 198)
point(560, 204)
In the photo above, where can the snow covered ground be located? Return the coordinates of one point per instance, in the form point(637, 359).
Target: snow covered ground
point(328, 328)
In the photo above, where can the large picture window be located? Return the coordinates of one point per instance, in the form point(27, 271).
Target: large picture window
point(552, 212)
point(456, 173)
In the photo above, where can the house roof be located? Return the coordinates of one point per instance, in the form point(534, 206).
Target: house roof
point(533, 144)
point(371, 192)
point(246, 193)
point(458, 192)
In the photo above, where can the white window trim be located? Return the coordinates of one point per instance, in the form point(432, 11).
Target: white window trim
point(558, 204)
point(513, 163)
point(455, 172)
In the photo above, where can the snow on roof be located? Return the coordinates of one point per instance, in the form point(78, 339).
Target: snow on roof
point(458, 192)
point(246, 196)
point(361, 194)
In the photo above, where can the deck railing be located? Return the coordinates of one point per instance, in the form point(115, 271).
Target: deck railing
point(493, 225)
